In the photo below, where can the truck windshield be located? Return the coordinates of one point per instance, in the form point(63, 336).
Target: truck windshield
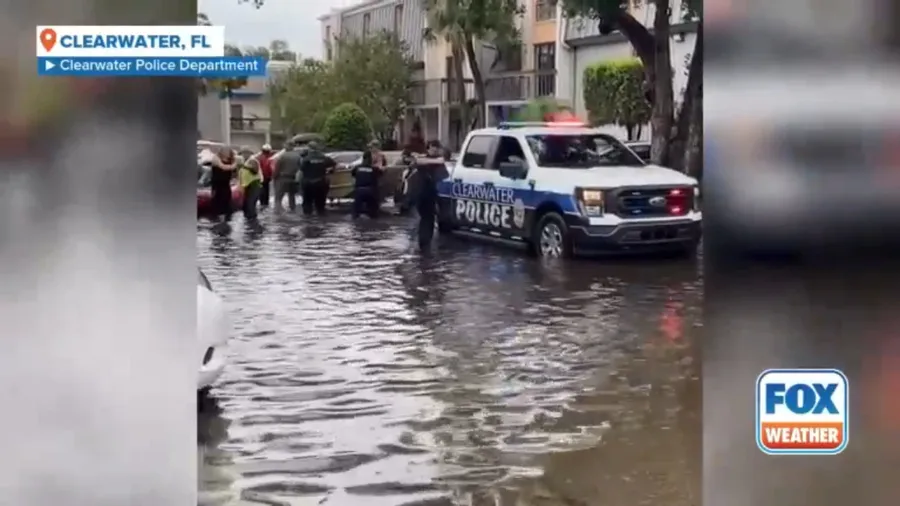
point(581, 151)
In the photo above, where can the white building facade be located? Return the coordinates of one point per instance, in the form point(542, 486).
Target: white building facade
point(580, 45)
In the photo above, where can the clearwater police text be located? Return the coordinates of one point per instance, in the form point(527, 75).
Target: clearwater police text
point(161, 65)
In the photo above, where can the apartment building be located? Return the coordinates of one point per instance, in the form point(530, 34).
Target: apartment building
point(510, 80)
point(244, 118)
point(580, 45)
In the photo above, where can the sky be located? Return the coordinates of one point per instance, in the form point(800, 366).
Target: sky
point(297, 22)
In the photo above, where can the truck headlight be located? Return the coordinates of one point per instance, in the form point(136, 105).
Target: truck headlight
point(590, 201)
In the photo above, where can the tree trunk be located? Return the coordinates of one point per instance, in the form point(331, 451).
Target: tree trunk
point(480, 93)
point(661, 121)
point(456, 51)
point(692, 94)
point(643, 43)
point(629, 132)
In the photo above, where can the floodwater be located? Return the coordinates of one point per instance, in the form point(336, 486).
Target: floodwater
point(364, 373)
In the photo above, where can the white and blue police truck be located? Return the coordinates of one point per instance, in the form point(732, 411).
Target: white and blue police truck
point(565, 190)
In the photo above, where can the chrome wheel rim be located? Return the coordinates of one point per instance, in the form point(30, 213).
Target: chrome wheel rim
point(551, 241)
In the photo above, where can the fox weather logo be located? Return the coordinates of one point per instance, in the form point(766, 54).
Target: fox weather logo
point(802, 411)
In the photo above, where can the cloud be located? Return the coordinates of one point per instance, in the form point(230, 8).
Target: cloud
point(295, 22)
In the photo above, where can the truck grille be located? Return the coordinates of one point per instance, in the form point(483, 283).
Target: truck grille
point(656, 202)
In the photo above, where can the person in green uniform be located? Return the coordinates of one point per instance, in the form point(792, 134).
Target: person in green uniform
point(250, 178)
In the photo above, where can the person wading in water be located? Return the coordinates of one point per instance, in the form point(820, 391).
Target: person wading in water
point(223, 167)
point(366, 178)
point(315, 168)
point(265, 166)
point(429, 171)
point(250, 179)
point(285, 176)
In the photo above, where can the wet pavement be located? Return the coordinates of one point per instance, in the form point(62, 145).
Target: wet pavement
point(364, 373)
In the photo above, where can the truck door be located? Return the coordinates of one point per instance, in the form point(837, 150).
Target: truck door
point(465, 194)
point(516, 196)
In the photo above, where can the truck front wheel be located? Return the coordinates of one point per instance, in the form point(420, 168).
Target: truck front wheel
point(551, 238)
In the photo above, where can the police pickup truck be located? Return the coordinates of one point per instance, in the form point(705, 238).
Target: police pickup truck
point(566, 189)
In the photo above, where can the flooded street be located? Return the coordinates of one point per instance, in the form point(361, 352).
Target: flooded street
point(364, 373)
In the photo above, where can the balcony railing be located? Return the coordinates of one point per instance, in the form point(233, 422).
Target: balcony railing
point(250, 124)
point(509, 86)
point(434, 92)
point(521, 85)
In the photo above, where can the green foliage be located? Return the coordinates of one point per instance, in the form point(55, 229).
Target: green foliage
point(375, 73)
point(347, 128)
point(598, 9)
point(300, 93)
point(279, 50)
point(537, 110)
point(613, 93)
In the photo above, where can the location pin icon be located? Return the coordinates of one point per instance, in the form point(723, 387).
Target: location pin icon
point(48, 38)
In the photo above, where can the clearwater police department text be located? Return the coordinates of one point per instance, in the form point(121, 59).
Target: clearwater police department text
point(130, 42)
point(161, 65)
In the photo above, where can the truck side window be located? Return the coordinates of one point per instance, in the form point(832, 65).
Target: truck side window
point(509, 150)
point(477, 151)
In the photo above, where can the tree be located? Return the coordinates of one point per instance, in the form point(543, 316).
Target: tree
point(671, 136)
point(347, 128)
point(223, 86)
point(613, 93)
point(301, 96)
point(375, 73)
point(257, 51)
point(280, 50)
point(463, 22)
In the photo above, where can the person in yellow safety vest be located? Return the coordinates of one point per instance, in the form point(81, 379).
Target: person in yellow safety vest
point(250, 178)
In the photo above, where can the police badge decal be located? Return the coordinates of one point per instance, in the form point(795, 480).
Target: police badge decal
point(519, 213)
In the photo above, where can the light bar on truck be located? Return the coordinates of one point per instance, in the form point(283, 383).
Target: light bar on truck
point(509, 125)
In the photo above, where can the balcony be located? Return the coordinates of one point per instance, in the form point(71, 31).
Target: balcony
point(508, 86)
point(250, 125)
point(435, 92)
point(524, 85)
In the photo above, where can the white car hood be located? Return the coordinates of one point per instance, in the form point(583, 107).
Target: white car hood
point(617, 176)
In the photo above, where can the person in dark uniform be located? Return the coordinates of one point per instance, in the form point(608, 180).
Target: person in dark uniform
point(429, 171)
point(315, 168)
point(366, 178)
point(402, 193)
point(223, 167)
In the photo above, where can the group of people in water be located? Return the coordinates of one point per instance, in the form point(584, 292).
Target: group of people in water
point(304, 170)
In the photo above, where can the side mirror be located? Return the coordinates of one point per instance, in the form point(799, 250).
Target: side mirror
point(513, 170)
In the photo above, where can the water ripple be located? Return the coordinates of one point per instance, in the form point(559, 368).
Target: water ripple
point(362, 371)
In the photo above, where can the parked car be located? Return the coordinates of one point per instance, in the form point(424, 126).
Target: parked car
point(213, 332)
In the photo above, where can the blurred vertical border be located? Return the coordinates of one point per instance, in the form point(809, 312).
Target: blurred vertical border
point(98, 269)
point(802, 207)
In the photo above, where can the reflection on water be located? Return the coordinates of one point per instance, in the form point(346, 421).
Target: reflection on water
point(362, 373)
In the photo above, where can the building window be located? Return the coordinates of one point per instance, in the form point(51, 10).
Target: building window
point(398, 18)
point(237, 117)
point(367, 24)
point(545, 56)
point(544, 10)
